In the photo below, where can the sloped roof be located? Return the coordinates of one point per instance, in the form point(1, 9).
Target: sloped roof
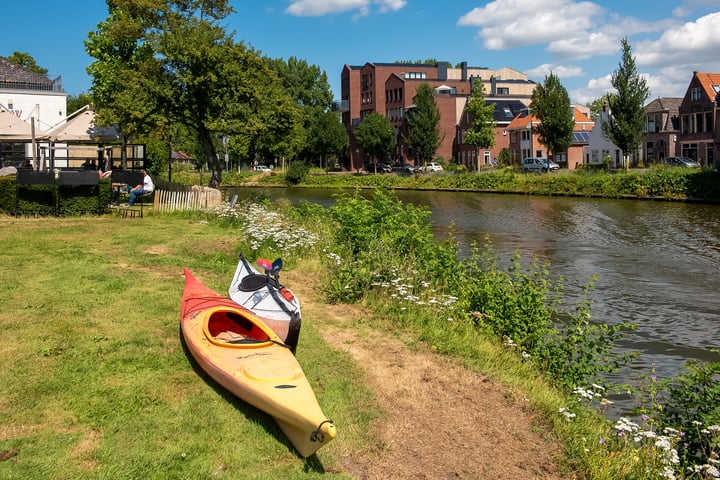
point(82, 128)
point(14, 76)
point(15, 129)
point(710, 83)
point(506, 110)
point(523, 121)
point(664, 104)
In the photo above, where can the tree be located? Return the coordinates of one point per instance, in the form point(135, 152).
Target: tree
point(195, 75)
point(26, 61)
point(327, 136)
point(308, 87)
point(376, 136)
point(482, 123)
point(626, 122)
point(596, 106)
point(119, 96)
point(423, 124)
point(551, 105)
point(76, 102)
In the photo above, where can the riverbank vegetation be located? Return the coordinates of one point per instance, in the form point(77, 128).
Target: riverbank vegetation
point(510, 321)
point(658, 182)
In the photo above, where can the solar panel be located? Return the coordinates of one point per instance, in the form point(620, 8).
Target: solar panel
point(581, 137)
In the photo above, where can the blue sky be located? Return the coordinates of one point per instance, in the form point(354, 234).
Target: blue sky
point(578, 40)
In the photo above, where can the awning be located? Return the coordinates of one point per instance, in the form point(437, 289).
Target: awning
point(82, 129)
point(15, 129)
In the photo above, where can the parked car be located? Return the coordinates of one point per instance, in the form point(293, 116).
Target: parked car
point(261, 168)
point(539, 165)
point(380, 167)
point(681, 162)
point(433, 167)
point(404, 169)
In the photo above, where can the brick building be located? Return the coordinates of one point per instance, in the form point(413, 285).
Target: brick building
point(524, 141)
point(389, 89)
point(699, 137)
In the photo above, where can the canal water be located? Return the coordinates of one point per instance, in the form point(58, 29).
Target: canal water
point(657, 263)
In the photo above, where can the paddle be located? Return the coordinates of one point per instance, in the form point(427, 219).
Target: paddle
point(276, 266)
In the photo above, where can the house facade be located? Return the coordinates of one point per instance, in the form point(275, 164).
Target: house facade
point(503, 114)
point(524, 142)
point(33, 98)
point(699, 136)
point(599, 149)
point(389, 90)
point(662, 122)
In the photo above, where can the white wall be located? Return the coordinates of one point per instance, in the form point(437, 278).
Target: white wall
point(47, 108)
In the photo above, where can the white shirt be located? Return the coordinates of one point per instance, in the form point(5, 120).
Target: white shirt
point(148, 185)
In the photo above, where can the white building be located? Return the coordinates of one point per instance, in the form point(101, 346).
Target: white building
point(33, 98)
point(599, 147)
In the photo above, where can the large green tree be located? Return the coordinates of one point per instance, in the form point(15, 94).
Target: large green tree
point(626, 122)
point(122, 55)
point(423, 125)
point(376, 136)
point(196, 75)
point(482, 124)
point(327, 137)
point(308, 87)
point(27, 61)
point(551, 105)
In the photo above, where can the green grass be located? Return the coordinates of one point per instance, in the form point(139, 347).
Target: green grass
point(96, 383)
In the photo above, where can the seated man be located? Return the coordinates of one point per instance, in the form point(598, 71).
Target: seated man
point(139, 190)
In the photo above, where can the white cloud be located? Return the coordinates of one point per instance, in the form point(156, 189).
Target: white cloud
point(316, 8)
point(595, 88)
point(514, 23)
point(585, 46)
point(694, 42)
point(561, 71)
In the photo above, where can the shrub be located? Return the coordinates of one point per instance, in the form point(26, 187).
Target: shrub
point(296, 172)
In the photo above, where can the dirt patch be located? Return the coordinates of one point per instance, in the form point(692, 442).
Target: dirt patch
point(441, 421)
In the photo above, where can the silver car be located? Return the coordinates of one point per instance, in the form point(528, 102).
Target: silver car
point(681, 162)
point(539, 165)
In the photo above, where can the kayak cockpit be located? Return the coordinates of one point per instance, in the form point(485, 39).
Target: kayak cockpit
point(228, 328)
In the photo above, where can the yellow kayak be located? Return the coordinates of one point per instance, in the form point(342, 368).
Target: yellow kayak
point(240, 352)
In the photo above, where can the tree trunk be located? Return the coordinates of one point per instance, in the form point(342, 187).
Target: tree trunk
point(208, 147)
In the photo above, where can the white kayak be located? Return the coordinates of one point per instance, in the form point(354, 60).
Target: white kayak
point(264, 295)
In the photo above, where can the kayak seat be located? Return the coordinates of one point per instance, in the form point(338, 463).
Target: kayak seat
point(253, 282)
point(221, 324)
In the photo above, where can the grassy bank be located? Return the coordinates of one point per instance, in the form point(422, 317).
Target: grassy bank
point(95, 381)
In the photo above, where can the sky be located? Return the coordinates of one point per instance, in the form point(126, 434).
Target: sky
point(579, 41)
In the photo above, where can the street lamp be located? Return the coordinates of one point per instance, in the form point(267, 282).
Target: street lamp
point(357, 159)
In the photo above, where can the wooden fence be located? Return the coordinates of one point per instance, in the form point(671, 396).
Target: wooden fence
point(196, 199)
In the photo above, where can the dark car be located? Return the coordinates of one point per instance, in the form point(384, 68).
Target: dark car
point(379, 167)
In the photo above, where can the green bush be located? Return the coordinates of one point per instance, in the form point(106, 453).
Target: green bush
point(296, 172)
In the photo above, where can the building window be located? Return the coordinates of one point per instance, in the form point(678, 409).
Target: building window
point(695, 94)
point(486, 157)
point(503, 91)
point(415, 75)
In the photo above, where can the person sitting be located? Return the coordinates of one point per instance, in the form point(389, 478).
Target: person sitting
point(139, 190)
